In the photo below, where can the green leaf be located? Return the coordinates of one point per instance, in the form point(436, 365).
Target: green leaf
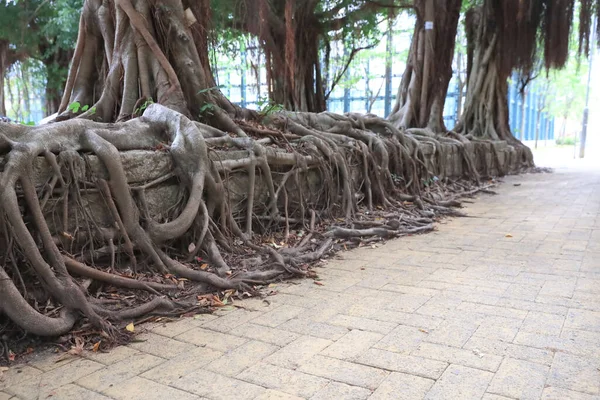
point(74, 107)
point(85, 108)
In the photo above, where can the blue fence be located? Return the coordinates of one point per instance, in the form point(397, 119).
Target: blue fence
point(530, 111)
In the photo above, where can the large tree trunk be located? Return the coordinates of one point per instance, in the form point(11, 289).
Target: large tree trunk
point(289, 33)
point(486, 112)
point(57, 67)
point(3, 68)
point(424, 86)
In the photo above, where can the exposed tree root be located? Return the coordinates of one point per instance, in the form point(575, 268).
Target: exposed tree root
point(228, 204)
point(363, 162)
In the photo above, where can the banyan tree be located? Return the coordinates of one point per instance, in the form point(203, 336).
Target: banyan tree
point(151, 181)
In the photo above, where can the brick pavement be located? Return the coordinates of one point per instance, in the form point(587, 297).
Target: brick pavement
point(502, 305)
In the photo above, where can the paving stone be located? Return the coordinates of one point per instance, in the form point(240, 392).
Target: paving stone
point(459, 382)
point(116, 373)
point(559, 288)
point(573, 345)
point(402, 387)
point(579, 335)
point(344, 371)
point(316, 329)
point(231, 320)
point(284, 380)
point(215, 340)
point(140, 388)
point(47, 361)
point(497, 332)
point(580, 374)
point(408, 302)
point(543, 323)
point(337, 390)
point(41, 386)
point(297, 352)
point(554, 393)
point(217, 386)
point(583, 320)
point(480, 345)
point(364, 324)
point(352, 344)
point(5, 396)
point(266, 334)
point(489, 396)
point(111, 357)
point(160, 346)
point(275, 395)
point(519, 379)
point(74, 392)
point(184, 364)
point(173, 328)
point(403, 339)
point(532, 306)
point(522, 291)
point(237, 360)
point(412, 319)
point(452, 333)
point(492, 310)
point(402, 363)
point(472, 358)
point(18, 374)
point(278, 316)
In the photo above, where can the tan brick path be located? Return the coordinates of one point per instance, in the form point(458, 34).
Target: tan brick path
point(463, 313)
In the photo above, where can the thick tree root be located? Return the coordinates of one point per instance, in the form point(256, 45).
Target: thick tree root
point(326, 152)
point(244, 199)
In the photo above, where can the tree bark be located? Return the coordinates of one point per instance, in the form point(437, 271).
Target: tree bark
point(486, 113)
point(424, 86)
point(523, 118)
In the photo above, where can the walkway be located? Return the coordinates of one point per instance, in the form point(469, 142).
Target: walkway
point(505, 304)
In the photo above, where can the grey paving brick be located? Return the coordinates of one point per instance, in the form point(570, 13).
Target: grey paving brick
point(284, 380)
point(140, 388)
point(402, 363)
point(344, 371)
point(459, 382)
point(352, 344)
point(402, 387)
point(580, 374)
point(337, 390)
point(472, 358)
point(519, 379)
point(219, 387)
point(237, 360)
point(364, 324)
point(298, 351)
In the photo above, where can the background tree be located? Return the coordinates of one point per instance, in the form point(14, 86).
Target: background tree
point(504, 36)
point(422, 92)
point(39, 30)
point(296, 38)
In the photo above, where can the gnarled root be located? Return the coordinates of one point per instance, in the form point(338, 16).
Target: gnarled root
point(91, 210)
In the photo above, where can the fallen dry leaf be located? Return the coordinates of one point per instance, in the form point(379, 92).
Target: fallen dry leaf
point(77, 350)
point(96, 347)
point(508, 235)
point(319, 283)
point(130, 328)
